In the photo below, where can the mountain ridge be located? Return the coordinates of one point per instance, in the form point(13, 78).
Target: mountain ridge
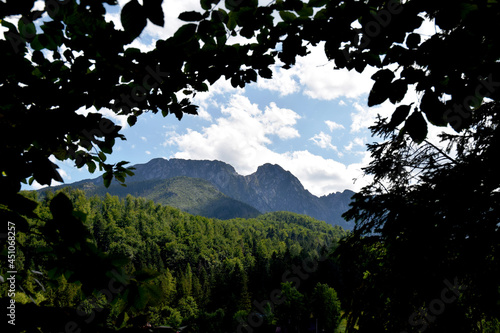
point(270, 188)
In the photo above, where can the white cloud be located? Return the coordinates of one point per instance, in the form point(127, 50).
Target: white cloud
point(315, 77)
point(365, 116)
point(324, 141)
point(349, 146)
point(115, 18)
point(242, 138)
point(362, 118)
point(333, 125)
point(428, 29)
point(148, 152)
point(143, 138)
point(280, 121)
point(209, 98)
point(118, 120)
point(322, 176)
point(360, 142)
point(283, 81)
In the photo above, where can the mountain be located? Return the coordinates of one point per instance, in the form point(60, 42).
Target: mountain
point(193, 195)
point(269, 189)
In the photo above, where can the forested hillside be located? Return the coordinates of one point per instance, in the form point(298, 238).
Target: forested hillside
point(271, 188)
point(192, 195)
point(207, 274)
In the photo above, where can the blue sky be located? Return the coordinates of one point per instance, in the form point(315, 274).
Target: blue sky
point(311, 119)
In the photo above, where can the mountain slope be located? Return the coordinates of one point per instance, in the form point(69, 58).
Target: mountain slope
point(199, 197)
point(192, 195)
point(269, 189)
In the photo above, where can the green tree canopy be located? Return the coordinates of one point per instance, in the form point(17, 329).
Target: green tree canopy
point(291, 311)
point(325, 306)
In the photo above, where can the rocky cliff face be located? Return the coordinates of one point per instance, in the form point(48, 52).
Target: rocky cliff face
point(270, 188)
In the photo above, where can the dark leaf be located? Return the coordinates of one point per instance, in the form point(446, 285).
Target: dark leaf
point(107, 177)
point(154, 11)
point(412, 41)
point(190, 109)
point(233, 4)
point(287, 16)
point(341, 58)
point(131, 120)
point(8, 25)
point(266, 73)
point(61, 206)
point(219, 15)
point(133, 19)
point(305, 11)
point(36, 45)
point(317, 3)
point(102, 156)
point(207, 4)
point(186, 32)
point(398, 91)
point(91, 165)
point(433, 108)
point(26, 28)
point(416, 126)
point(38, 57)
point(191, 16)
point(231, 22)
point(399, 115)
point(379, 93)
point(106, 147)
point(383, 75)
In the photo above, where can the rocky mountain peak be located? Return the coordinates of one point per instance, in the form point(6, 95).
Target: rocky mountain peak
point(269, 189)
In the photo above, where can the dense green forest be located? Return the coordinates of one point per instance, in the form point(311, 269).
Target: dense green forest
point(193, 195)
point(245, 275)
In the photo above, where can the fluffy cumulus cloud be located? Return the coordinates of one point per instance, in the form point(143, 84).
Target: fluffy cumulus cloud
point(324, 141)
point(322, 176)
point(360, 142)
point(315, 77)
point(280, 122)
point(333, 125)
point(284, 82)
point(364, 116)
point(210, 98)
point(243, 135)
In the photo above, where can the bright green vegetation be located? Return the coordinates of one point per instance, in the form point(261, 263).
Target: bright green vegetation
point(190, 270)
point(192, 195)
